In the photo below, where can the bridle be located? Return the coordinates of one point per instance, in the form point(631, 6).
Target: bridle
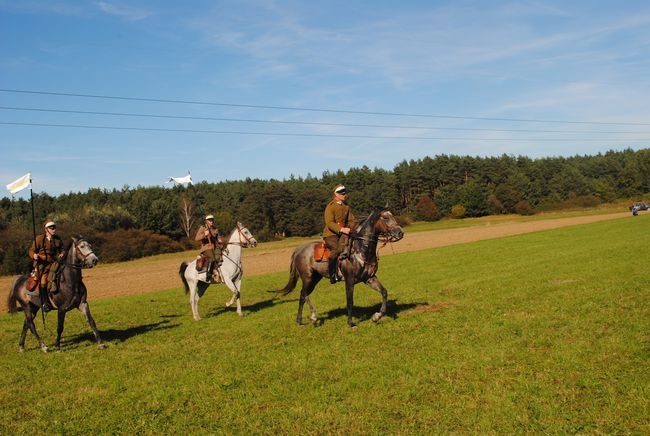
point(79, 255)
point(384, 234)
point(242, 235)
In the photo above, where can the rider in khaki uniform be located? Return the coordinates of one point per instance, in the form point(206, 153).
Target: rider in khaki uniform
point(46, 250)
point(210, 245)
point(338, 221)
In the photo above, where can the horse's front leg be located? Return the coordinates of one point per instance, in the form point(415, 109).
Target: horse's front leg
point(85, 309)
point(234, 287)
point(59, 329)
point(375, 284)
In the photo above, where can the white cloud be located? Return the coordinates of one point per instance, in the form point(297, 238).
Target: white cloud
point(123, 11)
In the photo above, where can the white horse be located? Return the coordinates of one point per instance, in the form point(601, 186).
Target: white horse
point(231, 270)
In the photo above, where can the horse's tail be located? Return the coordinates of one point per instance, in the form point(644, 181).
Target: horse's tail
point(181, 272)
point(293, 276)
point(12, 298)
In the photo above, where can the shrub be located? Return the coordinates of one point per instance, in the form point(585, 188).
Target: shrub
point(457, 211)
point(14, 250)
point(404, 220)
point(426, 209)
point(523, 207)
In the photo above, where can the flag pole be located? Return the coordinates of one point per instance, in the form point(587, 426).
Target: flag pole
point(38, 272)
point(31, 200)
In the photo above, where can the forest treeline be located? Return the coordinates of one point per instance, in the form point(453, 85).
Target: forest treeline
point(135, 222)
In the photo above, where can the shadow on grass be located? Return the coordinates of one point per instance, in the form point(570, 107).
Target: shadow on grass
point(365, 313)
point(252, 308)
point(111, 335)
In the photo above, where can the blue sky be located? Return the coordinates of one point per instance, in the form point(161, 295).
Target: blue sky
point(110, 94)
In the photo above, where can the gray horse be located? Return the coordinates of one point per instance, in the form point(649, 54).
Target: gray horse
point(72, 294)
point(231, 271)
point(360, 266)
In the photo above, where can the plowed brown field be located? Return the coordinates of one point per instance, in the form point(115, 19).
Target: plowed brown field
point(161, 272)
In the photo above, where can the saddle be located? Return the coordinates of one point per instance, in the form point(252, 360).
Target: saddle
point(53, 280)
point(32, 281)
point(321, 252)
point(203, 266)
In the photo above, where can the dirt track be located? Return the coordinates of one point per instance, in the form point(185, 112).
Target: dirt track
point(161, 272)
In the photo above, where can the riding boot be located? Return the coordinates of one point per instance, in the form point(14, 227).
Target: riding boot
point(210, 269)
point(45, 301)
point(334, 276)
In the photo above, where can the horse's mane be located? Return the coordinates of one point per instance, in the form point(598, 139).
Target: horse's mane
point(364, 219)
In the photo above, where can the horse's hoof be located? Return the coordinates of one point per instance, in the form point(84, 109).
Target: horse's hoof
point(21, 349)
point(376, 317)
point(101, 346)
point(240, 314)
point(44, 349)
point(228, 304)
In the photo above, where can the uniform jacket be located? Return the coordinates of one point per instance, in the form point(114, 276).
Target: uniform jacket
point(207, 242)
point(337, 215)
point(48, 250)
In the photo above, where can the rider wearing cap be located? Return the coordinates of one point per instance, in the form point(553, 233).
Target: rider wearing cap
point(338, 221)
point(210, 245)
point(46, 250)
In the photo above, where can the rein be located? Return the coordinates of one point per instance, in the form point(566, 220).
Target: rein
point(383, 235)
point(240, 243)
point(385, 238)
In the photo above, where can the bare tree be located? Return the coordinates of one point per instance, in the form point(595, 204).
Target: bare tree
point(186, 214)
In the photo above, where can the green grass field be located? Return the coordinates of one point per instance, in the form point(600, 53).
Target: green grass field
point(542, 333)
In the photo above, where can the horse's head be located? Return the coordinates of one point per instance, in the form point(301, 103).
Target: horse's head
point(387, 226)
point(83, 253)
point(246, 238)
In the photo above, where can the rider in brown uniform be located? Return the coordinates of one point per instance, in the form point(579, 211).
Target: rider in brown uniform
point(338, 221)
point(210, 245)
point(46, 250)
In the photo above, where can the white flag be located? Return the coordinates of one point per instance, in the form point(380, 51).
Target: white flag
point(20, 184)
point(186, 179)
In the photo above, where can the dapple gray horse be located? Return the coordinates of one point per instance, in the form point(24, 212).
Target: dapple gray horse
point(360, 266)
point(72, 294)
point(231, 270)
